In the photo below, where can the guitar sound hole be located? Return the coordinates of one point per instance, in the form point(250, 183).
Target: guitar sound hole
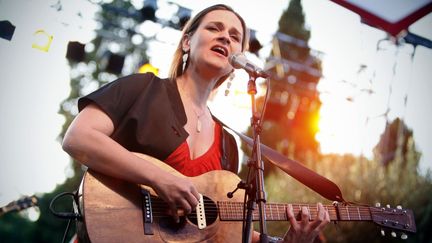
point(211, 212)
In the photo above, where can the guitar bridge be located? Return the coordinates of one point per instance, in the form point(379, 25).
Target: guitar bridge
point(147, 212)
point(200, 212)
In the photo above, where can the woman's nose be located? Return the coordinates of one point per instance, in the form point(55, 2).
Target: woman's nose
point(224, 37)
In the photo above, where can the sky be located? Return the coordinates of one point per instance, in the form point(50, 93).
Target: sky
point(34, 82)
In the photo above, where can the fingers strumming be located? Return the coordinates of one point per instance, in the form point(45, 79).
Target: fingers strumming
point(174, 213)
point(185, 205)
point(193, 201)
point(196, 194)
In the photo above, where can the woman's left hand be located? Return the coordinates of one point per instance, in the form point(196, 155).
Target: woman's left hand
point(305, 231)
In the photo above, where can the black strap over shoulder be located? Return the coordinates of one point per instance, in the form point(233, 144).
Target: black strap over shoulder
point(229, 158)
point(309, 178)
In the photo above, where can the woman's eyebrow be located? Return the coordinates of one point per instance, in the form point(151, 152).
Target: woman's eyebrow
point(220, 24)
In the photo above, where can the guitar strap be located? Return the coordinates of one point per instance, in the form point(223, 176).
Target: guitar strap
point(309, 178)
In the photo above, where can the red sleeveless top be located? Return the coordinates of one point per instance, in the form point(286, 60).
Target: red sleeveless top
point(211, 160)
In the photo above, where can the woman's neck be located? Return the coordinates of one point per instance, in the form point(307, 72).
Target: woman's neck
point(196, 89)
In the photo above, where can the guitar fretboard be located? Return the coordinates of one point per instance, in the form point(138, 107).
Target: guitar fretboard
point(233, 211)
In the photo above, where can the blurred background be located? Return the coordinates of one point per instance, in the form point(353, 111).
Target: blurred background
point(349, 99)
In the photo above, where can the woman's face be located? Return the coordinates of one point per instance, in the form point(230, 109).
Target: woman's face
point(218, 36)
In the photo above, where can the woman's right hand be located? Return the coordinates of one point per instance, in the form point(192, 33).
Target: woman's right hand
point(177, 192)
point(88, 141)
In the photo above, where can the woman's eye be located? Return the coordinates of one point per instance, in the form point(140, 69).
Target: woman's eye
point(235, 37)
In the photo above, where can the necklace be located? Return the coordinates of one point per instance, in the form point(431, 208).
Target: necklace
point(198, 124)
point(198, 127)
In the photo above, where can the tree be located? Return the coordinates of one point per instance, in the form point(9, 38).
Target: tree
point(365, 182)
point(291, 117)
point(98, 67)
point(394, 143)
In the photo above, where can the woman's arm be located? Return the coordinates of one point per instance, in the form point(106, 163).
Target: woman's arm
point(88, 141)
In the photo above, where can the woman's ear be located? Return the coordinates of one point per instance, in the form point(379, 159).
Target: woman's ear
point(186, 43)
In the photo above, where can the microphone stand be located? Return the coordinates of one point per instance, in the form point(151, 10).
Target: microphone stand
point(255, 193)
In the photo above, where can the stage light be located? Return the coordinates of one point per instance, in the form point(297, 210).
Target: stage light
point(43, 42)
point(7, 30)
point(148, 68)
point(75, 51)
point(112, 62)
point(148, 10)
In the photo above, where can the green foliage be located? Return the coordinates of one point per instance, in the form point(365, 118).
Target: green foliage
point(14, 227)
point(395, 141)
point(364, 182)
point(86, 76)
point(292, 110)
point(292, 21)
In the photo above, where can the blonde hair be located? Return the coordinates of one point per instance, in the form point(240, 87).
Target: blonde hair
point(190, 28)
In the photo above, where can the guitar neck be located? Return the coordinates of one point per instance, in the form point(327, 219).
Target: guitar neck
point(233, 211)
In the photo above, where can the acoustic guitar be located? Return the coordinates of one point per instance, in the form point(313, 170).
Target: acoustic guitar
point(118, 211)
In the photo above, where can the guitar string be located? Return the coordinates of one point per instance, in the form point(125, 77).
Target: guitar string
point(239, 211)
point(211, 202)
point(350, 209)
point(313, 212)
point(272, 206)
point(236, 215)
point(232, 211)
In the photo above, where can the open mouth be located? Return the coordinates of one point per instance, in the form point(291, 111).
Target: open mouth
point(221, 50)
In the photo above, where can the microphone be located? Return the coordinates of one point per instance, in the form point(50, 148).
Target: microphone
point(239, 61)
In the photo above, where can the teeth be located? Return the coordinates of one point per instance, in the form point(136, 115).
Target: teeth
point(220, 49)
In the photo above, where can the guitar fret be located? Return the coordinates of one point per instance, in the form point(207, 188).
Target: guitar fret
point(271, 212)
point(226, 211)
point(347, 213)
point(241, 207)
point(230, 210)
point(221, 210)
point(284, 217)
point(234, 211)
point(352, 213)
point(278, 213)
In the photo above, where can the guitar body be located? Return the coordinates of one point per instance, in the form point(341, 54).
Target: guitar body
point(112, 210)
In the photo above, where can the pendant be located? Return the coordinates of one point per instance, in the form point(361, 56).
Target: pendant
point(198, 126)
